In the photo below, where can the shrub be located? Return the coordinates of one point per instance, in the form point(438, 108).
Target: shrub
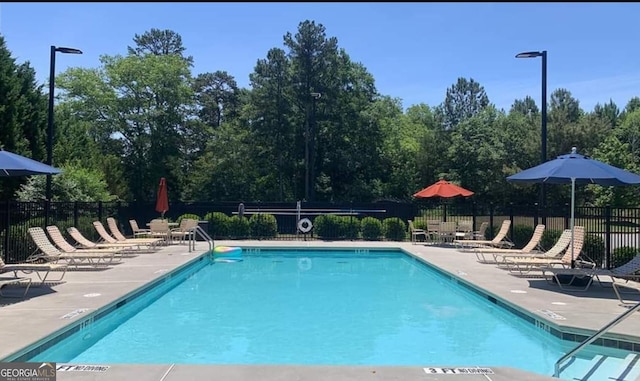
point(190, 216)
point(394, 229)
point(218, 224)
point(622, 255)
point(327, 226)
point(522, 235)
point(371, 229)
point(263, 225)
point(239, 227)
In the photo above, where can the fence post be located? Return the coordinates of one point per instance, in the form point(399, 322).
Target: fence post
point(7, 225)
point(607, 236)
point(491, 219)
point(536, 216)
point(473, 215)
point(100, 211)
point(567, 216)
point(75, 214)
point(444, 212)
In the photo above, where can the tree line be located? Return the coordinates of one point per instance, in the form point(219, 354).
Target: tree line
point(311, 126)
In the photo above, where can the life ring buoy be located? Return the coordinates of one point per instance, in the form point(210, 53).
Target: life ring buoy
point(305, 225)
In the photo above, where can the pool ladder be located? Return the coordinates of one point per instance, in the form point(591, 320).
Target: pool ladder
point(197, 230)
point(593, 338)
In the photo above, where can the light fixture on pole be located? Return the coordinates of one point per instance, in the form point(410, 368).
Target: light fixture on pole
point(52, 75)
point(543, 135)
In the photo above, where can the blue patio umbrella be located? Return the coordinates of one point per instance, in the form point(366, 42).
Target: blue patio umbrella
point(12, 164)
point(575, 169)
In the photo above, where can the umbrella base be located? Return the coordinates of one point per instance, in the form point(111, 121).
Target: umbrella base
point(570, 280)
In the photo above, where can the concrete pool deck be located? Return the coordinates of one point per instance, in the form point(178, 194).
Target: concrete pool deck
point(50, 308)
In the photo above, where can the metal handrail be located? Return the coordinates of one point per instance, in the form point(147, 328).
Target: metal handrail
point(198, 230)
point(593, 338)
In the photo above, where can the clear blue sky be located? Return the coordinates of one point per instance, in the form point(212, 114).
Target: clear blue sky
point(414, 51)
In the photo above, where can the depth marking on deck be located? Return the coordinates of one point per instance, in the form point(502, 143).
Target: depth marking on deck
point(81, 368)
point(74, 313)
point(458, 370)
point(552, 315)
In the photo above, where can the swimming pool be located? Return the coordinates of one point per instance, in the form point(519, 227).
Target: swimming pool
point(321, 307)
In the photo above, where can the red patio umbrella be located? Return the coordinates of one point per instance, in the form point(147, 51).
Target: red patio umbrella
point(162, 199)
point(443, 188)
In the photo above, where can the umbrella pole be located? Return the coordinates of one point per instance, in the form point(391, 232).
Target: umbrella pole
point(573, 207)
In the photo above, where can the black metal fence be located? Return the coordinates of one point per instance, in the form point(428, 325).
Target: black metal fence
point(610, 230)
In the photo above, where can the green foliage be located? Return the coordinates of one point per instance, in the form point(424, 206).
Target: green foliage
point(263, 225)
point(327, 226)
point(522, 235)
point(622, 255)
point(132, 101)
point(351, 227)
point(219, 224)
point(372, 229)
point(23, 114)
point(594, 248)
point(75, 183)
point(190, 216)
point(394, 229)
point(465, 99)
point(239, 228)
point(144, 115)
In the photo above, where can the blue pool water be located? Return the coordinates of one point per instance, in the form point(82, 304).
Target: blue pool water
point(313, 307)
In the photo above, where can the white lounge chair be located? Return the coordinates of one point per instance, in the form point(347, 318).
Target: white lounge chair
point(42, 270)
point(628, 271)
point(500, 240)
point(48, 252)
point(137, 242)
point(524, 265)
point(533, 246)
point(88, 244)
point(5, 281)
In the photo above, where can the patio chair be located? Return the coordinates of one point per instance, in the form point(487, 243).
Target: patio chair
point(480, 233)
point(500, 240)
point(117, 234)
point(185, 230)
point(137, 230)
point(464, 230)
point(433, 230)
point(5, 281)
point(628, 271)
point(533, 246)
point(415, 233)
point(524, 265)
point(160, 230)
point(58, 240)
point(42, 270)
point(447, 231)
point(48, 252)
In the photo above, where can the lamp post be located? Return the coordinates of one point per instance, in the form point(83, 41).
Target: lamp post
point(52, 76)
point(307, 150)
point(543, 145)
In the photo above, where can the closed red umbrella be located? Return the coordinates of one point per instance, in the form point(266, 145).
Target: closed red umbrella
point(162, 200)
point(443, 188)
